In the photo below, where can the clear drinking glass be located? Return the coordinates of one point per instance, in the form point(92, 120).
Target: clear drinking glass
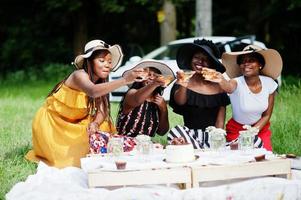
point(245, 140)
point(144, 146)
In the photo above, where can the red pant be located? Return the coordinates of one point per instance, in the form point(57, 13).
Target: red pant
point(234, 127)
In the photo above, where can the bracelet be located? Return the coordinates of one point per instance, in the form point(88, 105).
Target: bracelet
point(97, 124)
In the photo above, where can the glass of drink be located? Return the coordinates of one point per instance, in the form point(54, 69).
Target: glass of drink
point(115, 146)
point(245, 140)
point(144, 146)
point(217, 141)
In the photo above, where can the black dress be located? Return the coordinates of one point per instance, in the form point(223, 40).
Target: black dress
point(200, 110)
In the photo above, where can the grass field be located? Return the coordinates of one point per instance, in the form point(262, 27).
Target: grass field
point(19, 102)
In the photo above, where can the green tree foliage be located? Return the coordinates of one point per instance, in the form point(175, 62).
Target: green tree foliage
point(34, 33)
point(275, 22)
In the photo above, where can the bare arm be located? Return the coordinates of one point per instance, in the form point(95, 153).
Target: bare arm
point(163, 115)
point(266, 115)
point(221, 115)
point(214, 76)
point(180, 96)
point(228, 86)
point(94, 125)
point(79, 80)
point(136, 97)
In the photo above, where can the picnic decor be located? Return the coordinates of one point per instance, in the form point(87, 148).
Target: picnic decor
point(209, 166)
point(99, 142)
point(246, 137)
point(179, 151)
point(217, 137)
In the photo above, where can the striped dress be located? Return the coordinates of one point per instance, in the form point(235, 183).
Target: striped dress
point(142, 120)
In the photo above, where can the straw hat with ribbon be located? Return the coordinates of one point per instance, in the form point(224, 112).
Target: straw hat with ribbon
point(94, 45)
point(272, 60)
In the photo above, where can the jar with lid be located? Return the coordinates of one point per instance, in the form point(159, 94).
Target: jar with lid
point(245, 140)
point(115, 146)
point(144, 144)
point(217, 139)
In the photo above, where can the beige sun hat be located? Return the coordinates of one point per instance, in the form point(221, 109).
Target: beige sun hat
point(94, 45)
point(272, 67)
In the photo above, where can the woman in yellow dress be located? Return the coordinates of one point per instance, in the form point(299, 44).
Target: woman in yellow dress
point(77, 105)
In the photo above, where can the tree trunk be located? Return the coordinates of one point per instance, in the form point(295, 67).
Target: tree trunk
point(203, 18)
point(80, 32)
point(168, 25)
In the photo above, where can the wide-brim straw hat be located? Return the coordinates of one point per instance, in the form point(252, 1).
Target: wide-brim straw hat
point(185, 53)
point(272, 67)
point(161, 66)
point(94, 45)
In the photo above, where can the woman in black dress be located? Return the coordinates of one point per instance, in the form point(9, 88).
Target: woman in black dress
point(201, 103)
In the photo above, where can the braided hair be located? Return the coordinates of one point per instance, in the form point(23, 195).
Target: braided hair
point(98, 104)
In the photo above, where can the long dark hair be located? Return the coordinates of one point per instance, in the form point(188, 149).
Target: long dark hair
point(98, 104)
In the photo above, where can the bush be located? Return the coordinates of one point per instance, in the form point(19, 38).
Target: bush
point(53, 72)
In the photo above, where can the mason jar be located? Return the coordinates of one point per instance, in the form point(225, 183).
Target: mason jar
point(115, 146)
point(144, 145)
point(245, 140)
point(217, 141)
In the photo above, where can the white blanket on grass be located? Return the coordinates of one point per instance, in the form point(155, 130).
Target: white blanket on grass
point(71, 183)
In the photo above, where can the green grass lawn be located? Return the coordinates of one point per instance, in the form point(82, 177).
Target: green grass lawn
point(18, 104)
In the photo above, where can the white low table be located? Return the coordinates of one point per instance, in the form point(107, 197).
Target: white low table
point(210, 166)
point(243, 170)
point(101, 178)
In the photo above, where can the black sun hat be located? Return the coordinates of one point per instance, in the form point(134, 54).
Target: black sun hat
point(185, 53)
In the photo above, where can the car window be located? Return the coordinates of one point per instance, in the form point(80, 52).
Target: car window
point(238, 46)
point(171, 52)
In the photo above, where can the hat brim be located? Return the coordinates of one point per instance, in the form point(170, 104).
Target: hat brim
point(272, 67)
point(115, 51)
point(185, 53)
point(162, 67)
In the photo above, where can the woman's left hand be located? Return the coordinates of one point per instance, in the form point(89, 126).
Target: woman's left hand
point(92, 127)
point(159, 100)
point(159, 81)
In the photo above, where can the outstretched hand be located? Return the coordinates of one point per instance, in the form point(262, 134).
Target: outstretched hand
point(212, 75)
point(180, 76)
point(134, 75)
point(159, 81)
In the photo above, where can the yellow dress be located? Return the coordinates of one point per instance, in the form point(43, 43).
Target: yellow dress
point(59, 133)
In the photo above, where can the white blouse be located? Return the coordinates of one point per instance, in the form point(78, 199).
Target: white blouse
point(248, 107)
